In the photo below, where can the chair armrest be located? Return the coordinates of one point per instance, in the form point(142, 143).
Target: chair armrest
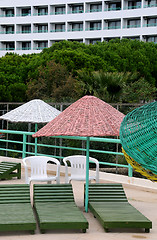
point(97, 172)
point(26, 171)
point(54, 160)
point(97, 168)
point(66, 170)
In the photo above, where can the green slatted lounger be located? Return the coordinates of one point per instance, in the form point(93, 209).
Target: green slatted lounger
point(109, 205)
point(16, 212)
point(56, 208)
point(8, 170)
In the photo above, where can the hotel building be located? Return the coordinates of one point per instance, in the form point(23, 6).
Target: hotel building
point(31, 25)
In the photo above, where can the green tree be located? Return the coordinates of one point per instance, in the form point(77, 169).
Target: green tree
point(53, 83)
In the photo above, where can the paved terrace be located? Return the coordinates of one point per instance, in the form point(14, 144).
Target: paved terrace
point(144, 198)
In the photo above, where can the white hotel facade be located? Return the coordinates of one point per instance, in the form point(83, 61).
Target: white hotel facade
point(31, 25)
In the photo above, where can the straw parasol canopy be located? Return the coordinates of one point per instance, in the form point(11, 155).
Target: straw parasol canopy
point(89, 116)
point(34, 111)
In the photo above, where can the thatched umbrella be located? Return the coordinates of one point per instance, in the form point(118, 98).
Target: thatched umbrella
point(35, 111)
point(87, 117)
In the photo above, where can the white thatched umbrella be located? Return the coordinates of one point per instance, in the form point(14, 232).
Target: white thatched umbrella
point(34, 111)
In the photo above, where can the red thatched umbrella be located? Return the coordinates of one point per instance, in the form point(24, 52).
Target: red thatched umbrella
point(88, 117)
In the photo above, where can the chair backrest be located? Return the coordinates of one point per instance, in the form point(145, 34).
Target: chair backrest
point(38, 164)
point(78, 164)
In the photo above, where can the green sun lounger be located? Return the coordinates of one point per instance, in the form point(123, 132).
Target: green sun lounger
point(56, 208)
point(16, 212)
point(8, 170)
point(110, 206)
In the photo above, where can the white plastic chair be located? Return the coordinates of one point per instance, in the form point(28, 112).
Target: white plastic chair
point(78, 168)
point(38, 165)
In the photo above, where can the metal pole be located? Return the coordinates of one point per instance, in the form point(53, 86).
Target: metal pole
point(87, 173)
point(36, 147)
point(24, 146)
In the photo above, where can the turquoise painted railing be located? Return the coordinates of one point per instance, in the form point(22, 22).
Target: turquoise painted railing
point(58, 30)
point(94, 10)
point(25, 146)
point(75, 29)
point(57, 13)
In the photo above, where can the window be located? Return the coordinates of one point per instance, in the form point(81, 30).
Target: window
point(114, 24)
point(26, 29)
point(77, 9)
point(26, 45)
point(42, 28)
point(9, 12)
point(9, 29)
point(10, 46)
point(94, 41)
point(43, 44)
point(152, 3)
point(76, 40)
point(133, 38)
point(134, 4)
point(151, 22)
point(95, 25)
point(60, 10)
point(114, 6)
point(134, 23)
point(59, 27)
point(95, 7)
point(77, 27)
point(42, 11)
point(26, 12)
point(152, 39)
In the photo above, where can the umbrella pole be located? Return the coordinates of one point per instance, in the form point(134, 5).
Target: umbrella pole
point(87, 173)
point(36, 129)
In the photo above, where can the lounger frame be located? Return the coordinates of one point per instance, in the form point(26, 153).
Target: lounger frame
point(56, 209)
point(110, 206)
point(8, 170)
point(16, 212)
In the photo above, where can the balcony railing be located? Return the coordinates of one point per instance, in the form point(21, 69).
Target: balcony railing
point(24, 144)
point(24, 48)
point(112, 9)
point(7, 49)
point(23, 32)
point(150, 5)
point(7, 32)
point(39, 48)
point(40, 14)
point(150, 25)
point(58, 30)
point(58, 13)
point(112, 27)
point(93, 29)
point(75, 29)
point(132, 7)
point(132, 26)
point(40, 31)
point(23, 14)
point(7, 15)
point(94, 10)
point(75, 11)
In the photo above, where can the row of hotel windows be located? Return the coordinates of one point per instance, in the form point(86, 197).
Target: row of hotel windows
point(39, 45)
point(74, 8)
point(78, 26)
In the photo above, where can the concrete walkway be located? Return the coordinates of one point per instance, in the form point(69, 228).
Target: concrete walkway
point(144, 201)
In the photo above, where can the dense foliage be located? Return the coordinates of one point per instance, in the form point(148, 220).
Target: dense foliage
point(118, 70)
